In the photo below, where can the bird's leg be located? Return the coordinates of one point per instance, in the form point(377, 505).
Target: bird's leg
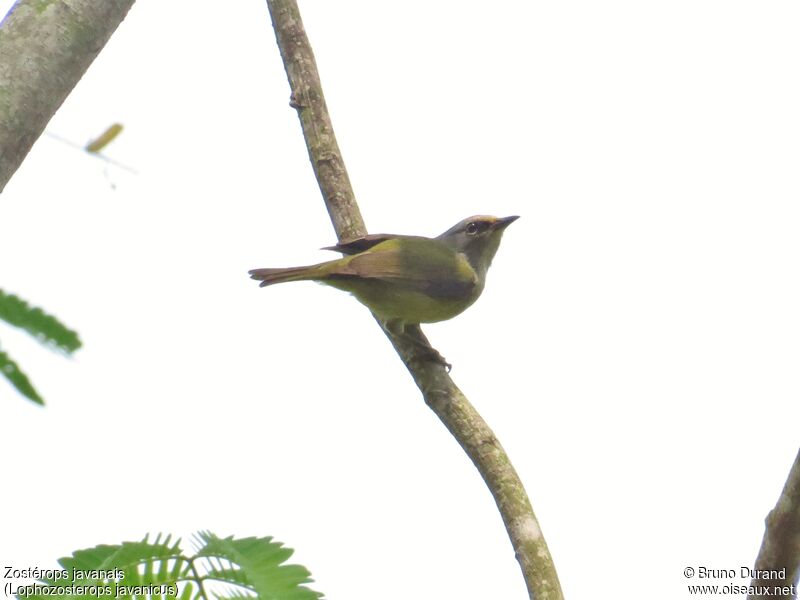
point(424, 348)
point(413, 334)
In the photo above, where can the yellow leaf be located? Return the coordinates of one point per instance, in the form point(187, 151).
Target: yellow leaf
point(105, 138)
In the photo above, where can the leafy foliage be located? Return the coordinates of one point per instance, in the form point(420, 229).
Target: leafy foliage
point(18, 379)
point(255, 564)
point(44, 327)
point(249, 568)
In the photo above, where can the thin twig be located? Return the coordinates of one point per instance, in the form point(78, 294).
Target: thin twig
point(97, 155)
point(439, 391)
point(778, 562)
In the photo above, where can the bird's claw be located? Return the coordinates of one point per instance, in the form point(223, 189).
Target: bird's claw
point(431, 355)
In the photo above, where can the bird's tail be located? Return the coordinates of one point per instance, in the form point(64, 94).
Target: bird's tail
point(270, 276)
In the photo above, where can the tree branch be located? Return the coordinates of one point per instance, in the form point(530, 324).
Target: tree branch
point(780, 548)
point(45, 48)
point(307, 98)
point(438, 389)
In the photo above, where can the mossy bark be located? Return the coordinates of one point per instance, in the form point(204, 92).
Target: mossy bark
point(45, 48)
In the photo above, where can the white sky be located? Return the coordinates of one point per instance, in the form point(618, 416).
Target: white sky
point(635, 351)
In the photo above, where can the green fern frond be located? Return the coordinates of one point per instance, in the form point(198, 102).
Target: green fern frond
point(11, 371)
point(255, 565)
point(44, 327)
point(159, 570)
point(130, 570)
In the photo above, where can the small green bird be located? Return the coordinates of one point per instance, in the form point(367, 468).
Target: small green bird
point(405, 279)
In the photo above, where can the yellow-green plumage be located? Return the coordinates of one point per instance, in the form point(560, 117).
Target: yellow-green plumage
point(409, 279)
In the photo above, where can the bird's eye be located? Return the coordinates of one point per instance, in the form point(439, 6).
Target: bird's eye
point(473, 228)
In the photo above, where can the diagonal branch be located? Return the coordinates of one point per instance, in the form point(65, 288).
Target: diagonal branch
point(45, 48)
point(778, 562)
point(307, 98)
point(438, 389)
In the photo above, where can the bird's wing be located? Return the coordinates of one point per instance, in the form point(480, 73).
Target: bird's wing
point(417, 264)
point(360, 244)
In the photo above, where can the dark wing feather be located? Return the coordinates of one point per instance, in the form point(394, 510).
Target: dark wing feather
point(360, 244)
point(419, 264)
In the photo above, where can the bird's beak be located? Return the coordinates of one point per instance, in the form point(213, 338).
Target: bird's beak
point(504, 222)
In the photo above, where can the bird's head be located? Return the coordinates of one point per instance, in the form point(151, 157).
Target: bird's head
point(477, 238)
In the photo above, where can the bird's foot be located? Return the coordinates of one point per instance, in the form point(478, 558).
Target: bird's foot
point(422, 350)
point(429, 354)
